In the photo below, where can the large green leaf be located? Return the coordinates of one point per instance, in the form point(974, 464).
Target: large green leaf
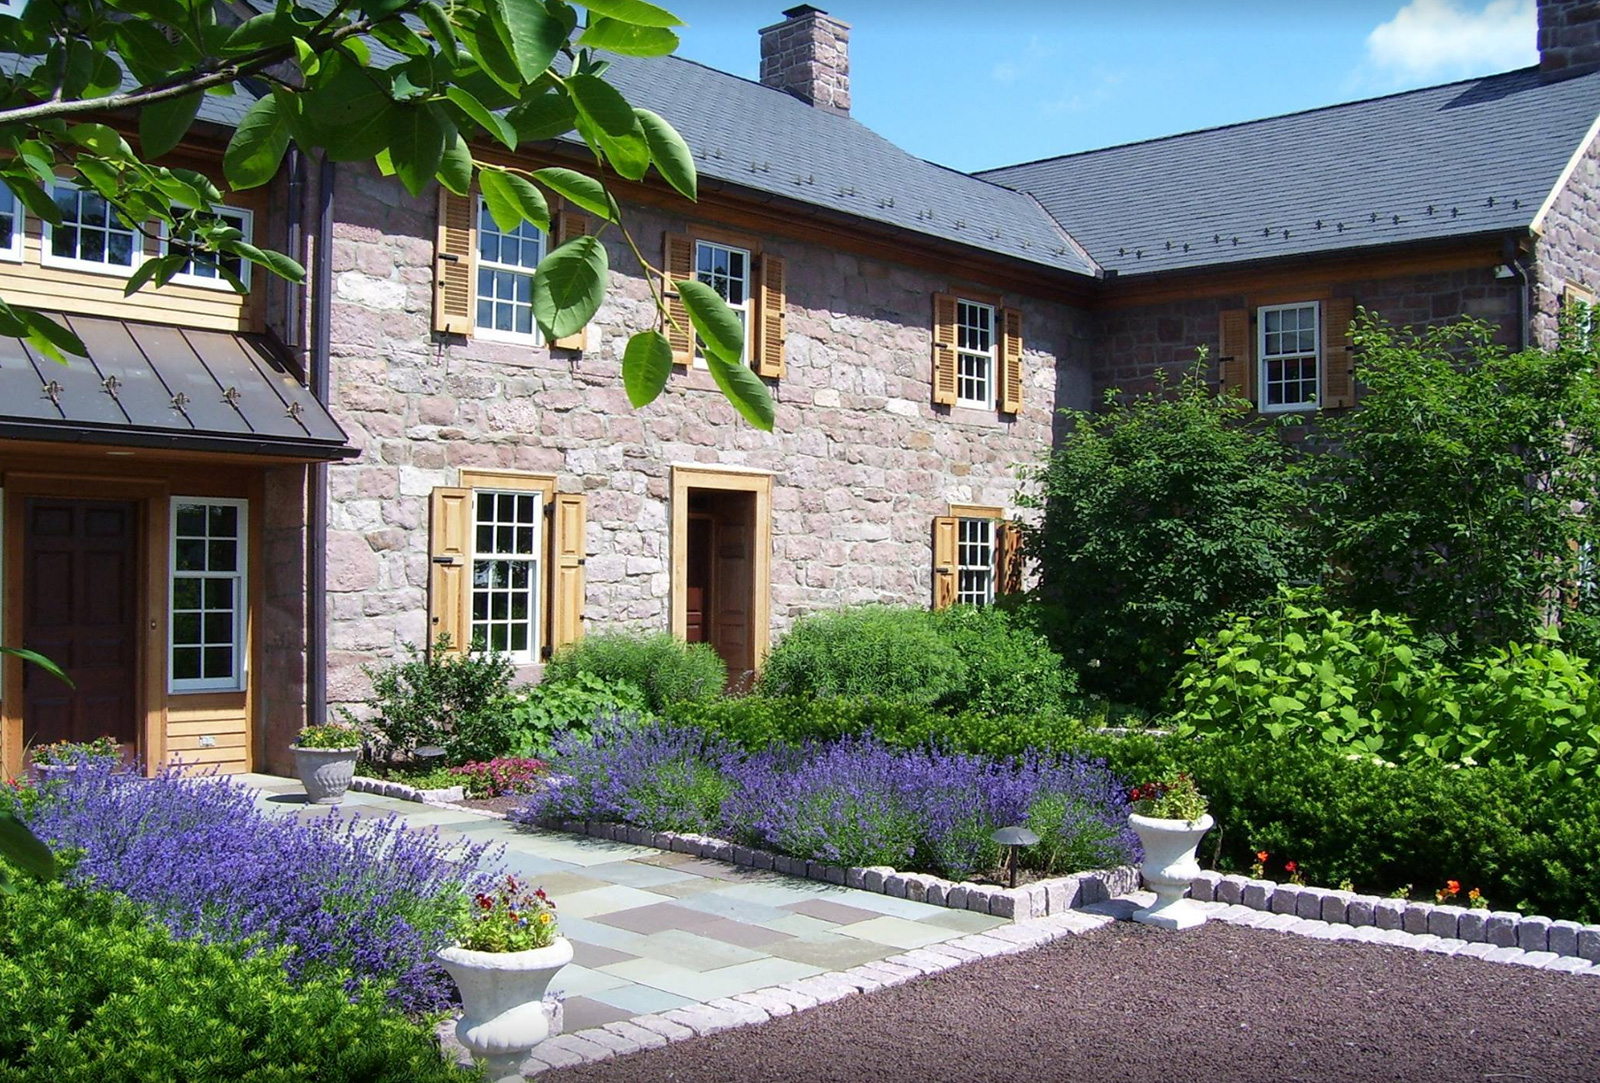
point(716, 324)
point(48, 336)
point(634, 11)
point(455, 168)
point(438, 23)
point(600, 103)
point(646, 364)
point(531, 34)
point(745, 390)
point(568, 286)
point(586, 192)
point(417, 136)
point(671, 154)
point(543, 116)
point(512, 200)
point(23, 849)
point(39, 660)
point(163, 124)
point(493, 123)
point(257, 147)
point(103, 140)
point(629, 39)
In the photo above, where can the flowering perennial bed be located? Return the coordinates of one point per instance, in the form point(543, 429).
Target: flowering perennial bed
point(852, 802)
point(360, 899)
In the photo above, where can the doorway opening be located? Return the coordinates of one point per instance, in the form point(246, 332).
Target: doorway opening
point(722, 543)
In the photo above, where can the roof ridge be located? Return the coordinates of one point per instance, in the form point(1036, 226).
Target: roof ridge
point(981, 173)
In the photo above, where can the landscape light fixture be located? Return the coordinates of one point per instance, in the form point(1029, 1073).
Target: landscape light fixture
point(1011, 838)
point(428, 755)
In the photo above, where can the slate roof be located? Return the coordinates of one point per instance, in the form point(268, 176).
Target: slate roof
point(1473, 157)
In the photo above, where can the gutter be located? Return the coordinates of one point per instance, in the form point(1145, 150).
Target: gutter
point(317, 475)
point(1519, 269)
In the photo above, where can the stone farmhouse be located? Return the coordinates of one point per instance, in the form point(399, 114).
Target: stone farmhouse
point(236, 501)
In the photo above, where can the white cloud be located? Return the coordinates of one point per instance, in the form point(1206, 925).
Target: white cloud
point(1430, 39)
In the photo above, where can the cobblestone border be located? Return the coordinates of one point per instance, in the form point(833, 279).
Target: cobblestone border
point(698, 1020)
point(1043, 898)
point(389, 788)
point(1457, 927)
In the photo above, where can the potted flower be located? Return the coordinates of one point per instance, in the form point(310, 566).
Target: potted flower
point(1169, 816)
point(62, 758)
point(509, 951)
point(326, 756)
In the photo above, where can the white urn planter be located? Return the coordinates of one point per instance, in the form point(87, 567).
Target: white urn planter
point(505, 1012)
point(325, 772)
point(1169, 866)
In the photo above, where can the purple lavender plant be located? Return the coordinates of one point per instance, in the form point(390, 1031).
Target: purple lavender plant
point(358, 898)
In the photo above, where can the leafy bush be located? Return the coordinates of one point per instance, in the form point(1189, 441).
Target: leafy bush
point(330, 735)
point(457, 701)
point(874, 650)
point(1010, 669)
point(570, 704)
point(96, 992)
point(363, 899)
point(1161, 514)
point(665, 669)
point(1073, 835)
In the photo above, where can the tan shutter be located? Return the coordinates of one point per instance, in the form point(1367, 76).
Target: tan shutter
point(944, 349)
point(770, 319)
point(1011, 360)
point(567, 554)
point(944, 561)
point(1233, 355)
point(569, 225)
point(450, 550)
point(679, 267)
point(1008, 562)
point(1338, 379)
point(455, 252)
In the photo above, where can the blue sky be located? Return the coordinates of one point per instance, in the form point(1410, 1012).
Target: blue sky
point(1025, 79)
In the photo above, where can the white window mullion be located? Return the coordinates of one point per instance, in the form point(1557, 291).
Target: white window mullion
point(506, 262)
point(1289, 345)
point(975, 354)
point(975, 561)
point(507, 540)
point(727, 270)
point(206, 595)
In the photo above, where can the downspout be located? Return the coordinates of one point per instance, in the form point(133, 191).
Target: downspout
point(1524, 295)
point(317, 481)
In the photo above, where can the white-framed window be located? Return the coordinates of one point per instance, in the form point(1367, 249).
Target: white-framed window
point(91, 236)
point(1578, 313)
point(505, 279)
point(506, 544)
point(203, 267)
point(206, 621)
point(725, 269)
point(1289, 341)
point(12, 222)
point(975, 561)
point(975, 354)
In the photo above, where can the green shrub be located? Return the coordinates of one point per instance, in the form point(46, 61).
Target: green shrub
point(456, 701)
point(1072, 838)
point(553, 707)
point(666, 669)
point(98, 993)
point(1010, 669)
point(873, 650)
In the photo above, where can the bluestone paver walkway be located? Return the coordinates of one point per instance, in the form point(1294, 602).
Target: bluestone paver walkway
point(652, 930)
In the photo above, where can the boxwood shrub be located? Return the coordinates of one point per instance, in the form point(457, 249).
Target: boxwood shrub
point(665, 669)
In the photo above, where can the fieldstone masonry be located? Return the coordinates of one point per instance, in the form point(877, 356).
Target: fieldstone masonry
point(1567, 252)
point(808, 55)
point(1569, 37)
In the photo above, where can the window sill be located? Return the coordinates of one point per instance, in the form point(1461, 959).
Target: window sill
point(980, 419)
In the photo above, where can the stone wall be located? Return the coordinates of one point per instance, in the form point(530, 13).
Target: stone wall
point(862, 460)
point(1567, 253)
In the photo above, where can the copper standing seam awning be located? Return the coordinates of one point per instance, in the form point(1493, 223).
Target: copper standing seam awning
point(157, 386)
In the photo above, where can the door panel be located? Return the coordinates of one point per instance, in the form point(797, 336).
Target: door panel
point(79, 571)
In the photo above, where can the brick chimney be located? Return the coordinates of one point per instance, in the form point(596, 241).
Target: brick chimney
point(1569, 35)
point(808, 54)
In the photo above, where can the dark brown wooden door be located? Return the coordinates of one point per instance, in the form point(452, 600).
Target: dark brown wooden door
point(78, 610)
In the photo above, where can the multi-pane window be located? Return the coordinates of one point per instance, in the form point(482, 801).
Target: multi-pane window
point(10, 225)
point(975, 561)
point(1290, 357)
point(975, 354)
point(91, 234)
point(206, 268)
point(505, 573)
point(726, 270)
point(207, 618)
point(506, 260)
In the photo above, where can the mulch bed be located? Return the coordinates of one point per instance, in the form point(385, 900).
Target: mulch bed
point(1128, 1004)
point(496, 804)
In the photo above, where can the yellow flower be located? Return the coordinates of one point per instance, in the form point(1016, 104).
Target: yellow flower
point(545, 919)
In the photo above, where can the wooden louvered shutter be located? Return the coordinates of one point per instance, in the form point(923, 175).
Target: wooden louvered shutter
point(679, 267)
point(1008, 561)
point(569, 225)
point(1338, 376)
point(567, 553)
point(944, 561)
point(450, 572)
point(1011, 360)
point(1233, 355)
point(944, 349)
point(770, 319)
point(455, 251)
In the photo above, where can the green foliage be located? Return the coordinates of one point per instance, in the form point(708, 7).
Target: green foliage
point(98, 993)
point(1072, 838)
point(1461, 484)
point(1010, 669)
point(62, 753)
point(873, 650)
point(1175, 797)
point(1161, 514)
point(683, 795)
point(547, 710)
point(329, 735)
point(481, 66)
point(458, 701)
point(667, 670)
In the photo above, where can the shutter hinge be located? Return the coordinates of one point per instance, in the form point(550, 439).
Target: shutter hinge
point(449, 561)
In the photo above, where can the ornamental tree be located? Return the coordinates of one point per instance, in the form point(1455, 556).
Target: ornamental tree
point(88, 73)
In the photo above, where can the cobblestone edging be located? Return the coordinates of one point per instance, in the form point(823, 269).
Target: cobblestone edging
point(399, 790)
point(698, 1020)
point(1481, 933)
point(1043, 898)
